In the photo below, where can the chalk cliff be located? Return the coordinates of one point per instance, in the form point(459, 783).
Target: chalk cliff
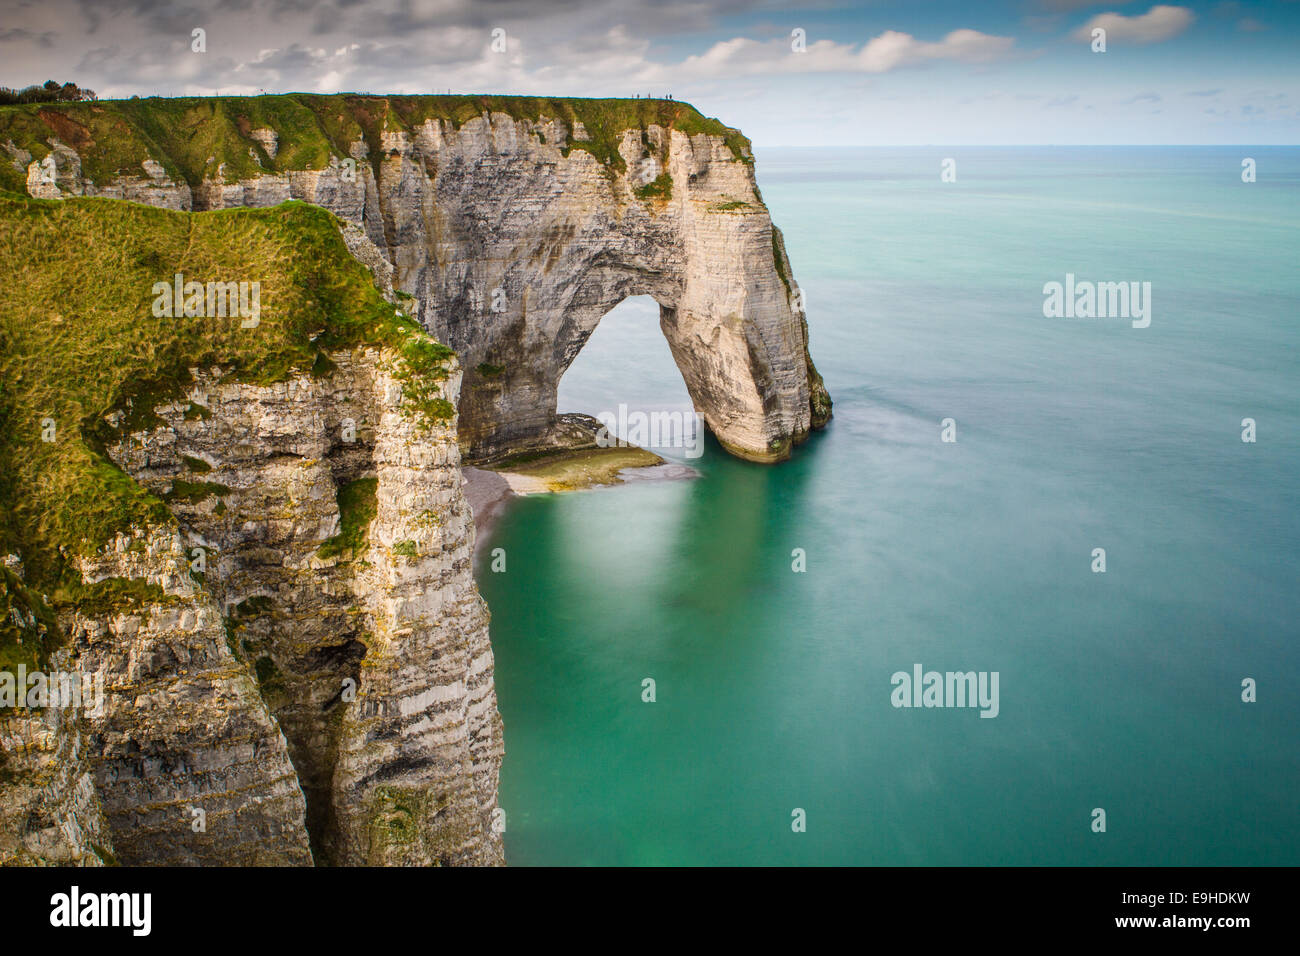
point(253, 539)
point(373, 660)
point(258, 541)
point(515, 223)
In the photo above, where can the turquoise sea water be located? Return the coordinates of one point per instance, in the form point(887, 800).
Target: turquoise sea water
point(1119, 691)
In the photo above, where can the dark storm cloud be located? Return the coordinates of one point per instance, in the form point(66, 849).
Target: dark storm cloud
point(156, 15)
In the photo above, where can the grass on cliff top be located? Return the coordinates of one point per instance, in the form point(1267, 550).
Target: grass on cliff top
point(197, 138)
point(78, 339)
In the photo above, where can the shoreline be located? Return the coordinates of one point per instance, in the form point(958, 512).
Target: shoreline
point(488, 490)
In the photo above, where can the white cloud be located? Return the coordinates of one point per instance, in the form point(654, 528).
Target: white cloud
point(890, 50)
point(1158, 23)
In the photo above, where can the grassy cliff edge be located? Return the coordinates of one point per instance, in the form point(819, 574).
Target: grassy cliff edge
point(212, 138)
point(83, 359)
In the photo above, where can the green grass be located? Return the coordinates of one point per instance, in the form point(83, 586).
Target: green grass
point(198, 138)
point(661, 187)
point(194, 491)
point(358, 504)
point(27, 629)
point(78, 341)
point(422, 372)
point(778, 260)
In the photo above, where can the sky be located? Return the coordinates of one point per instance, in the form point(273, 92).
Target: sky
point(786, 72)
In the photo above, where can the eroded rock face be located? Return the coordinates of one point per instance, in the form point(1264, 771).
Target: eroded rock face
point(516, 252)
point(189, 764)
point(50, 814)
point(358, 680)
point(60, 175)
point(515, 246)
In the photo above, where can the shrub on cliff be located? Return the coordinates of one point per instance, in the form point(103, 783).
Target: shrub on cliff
point(50, 92)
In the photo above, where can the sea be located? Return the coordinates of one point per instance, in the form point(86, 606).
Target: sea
point(1103, 515)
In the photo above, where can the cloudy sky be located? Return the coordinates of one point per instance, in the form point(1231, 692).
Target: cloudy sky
point(886, 72)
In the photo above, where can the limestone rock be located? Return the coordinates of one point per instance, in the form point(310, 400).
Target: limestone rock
point(514, 245)
point(374, 665)
point(50, 814)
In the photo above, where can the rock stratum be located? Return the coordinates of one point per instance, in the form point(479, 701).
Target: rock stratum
point(252, 534)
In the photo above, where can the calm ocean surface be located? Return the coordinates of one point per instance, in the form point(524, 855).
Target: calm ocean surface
point(1119, 690)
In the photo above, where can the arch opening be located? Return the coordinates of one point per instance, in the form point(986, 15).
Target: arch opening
point(625, 375)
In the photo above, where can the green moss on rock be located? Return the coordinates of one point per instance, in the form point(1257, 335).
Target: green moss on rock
point(661, 187)
point(778, 260)
point(194, 491)
point(411, 825)
point(269, 678)
point(358, 504)
point(28, 633)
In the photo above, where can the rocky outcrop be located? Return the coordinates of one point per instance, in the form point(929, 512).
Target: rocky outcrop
point(190, 766)
point(514, 241)
point(328, 691)
point(290, 653)
point(49, 809)
point(50, 814)
point(305, 675)
point(60, 175)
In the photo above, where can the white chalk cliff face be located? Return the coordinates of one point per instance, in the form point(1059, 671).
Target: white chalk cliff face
point(328, 704)
point(289, 702)
point(406, 773)
point(515, 252)
point(514, 247)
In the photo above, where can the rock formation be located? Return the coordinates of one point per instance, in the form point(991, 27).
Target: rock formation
point(292, 652)
point(294, 655)
point(516, 225)
point(407, 774)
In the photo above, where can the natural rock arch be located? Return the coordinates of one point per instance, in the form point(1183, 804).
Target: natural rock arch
point(517, 276)
point(515, 224)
